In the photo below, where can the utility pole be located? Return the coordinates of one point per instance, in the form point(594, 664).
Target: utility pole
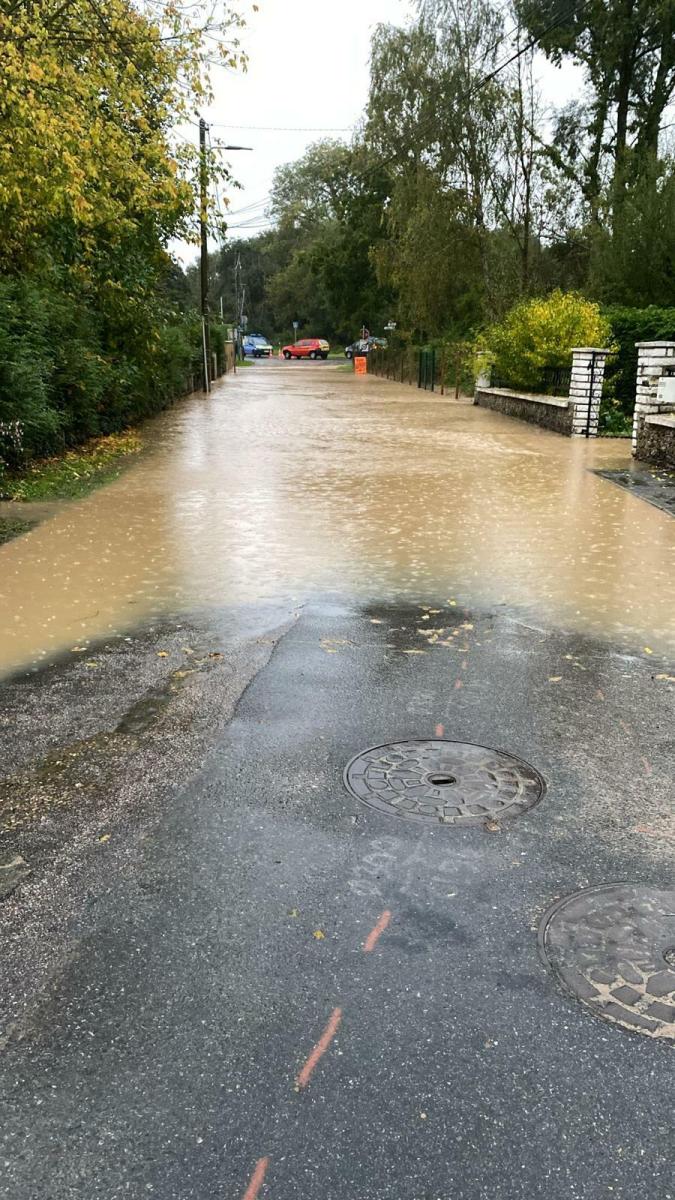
point(204, 260)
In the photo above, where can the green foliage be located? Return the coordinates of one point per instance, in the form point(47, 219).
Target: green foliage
point(74, 473)
point(629, 326)
point(541, 333)
point(96, 328)
point(315, 267)
point(633, 261)
point(77, 363)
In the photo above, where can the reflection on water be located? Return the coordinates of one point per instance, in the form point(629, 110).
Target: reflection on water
point(296, 479)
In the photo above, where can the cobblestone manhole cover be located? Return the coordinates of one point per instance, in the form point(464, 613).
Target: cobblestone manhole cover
point(613, 947)
point(449, 783)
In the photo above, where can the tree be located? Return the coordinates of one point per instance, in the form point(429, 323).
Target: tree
point(627, 50)
point(91, 191)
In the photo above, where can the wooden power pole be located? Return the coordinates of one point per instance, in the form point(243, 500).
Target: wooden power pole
point(204, 258)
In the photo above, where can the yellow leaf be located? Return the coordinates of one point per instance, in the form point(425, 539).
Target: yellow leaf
point(162, 653)
point(319, 935)
point(648, 650)
point(294, 912)
point(105, 837)
point(554, 678)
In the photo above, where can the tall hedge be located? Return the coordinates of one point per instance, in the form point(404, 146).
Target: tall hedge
point(629, 326)
point(78, 363)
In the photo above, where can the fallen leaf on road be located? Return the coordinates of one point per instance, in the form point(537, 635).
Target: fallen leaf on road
point(319, 935)
point(492, 826)
point(554, 678)
point(91, 664)
point(329, 644)
point(648, 650)
point(215, 654)
point(162, 653)
point(105, 837)
point(294, 912)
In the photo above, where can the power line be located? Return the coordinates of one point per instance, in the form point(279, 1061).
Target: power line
point(491, 75)
point(286, 128)
point(570, 12)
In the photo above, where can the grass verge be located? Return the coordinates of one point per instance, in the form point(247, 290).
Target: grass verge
point(74, 473)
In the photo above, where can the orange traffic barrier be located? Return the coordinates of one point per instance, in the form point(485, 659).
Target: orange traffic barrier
point(360, 365)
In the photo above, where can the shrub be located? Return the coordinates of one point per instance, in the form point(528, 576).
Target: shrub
point(541, 333)
point(631, 325)
point(77, 363)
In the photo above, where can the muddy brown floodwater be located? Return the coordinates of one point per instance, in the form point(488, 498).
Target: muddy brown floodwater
point(294, 480)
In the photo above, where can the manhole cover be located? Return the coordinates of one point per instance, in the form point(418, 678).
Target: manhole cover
point(449, 783)
point(613, 947)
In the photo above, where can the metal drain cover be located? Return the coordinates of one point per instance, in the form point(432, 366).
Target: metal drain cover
point(447, 783)
point(613, 947)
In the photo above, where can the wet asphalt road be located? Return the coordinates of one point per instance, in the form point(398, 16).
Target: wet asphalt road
point(195, 923)
point(159, 1056)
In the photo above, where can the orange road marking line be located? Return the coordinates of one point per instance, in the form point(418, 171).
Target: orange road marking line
point(319, 1050)
point(257, 1179)
point(440, 730)
point(376, 933)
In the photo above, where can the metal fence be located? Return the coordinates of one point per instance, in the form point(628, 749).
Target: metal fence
point(552, 381)
point(422, 368)
point(434, 370)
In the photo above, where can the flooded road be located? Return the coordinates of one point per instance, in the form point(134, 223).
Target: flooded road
point(297, 480)
point(232, 969)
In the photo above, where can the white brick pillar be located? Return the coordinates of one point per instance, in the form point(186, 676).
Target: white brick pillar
point(654, 360)
point(588, 373)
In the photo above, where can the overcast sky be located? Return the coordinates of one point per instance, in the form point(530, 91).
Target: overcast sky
point(308, 70)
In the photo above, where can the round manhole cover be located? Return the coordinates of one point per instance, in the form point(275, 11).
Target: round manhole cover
point(613, 947)
point(449, 783)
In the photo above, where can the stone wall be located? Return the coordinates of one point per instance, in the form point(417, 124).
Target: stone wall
point(656, 363)
point(548, 411)
point(655, 441)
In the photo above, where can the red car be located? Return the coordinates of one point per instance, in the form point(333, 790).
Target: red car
point(307, 348)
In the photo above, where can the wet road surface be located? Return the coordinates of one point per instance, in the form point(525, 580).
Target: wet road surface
point(295, 480)
point(225, 976)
